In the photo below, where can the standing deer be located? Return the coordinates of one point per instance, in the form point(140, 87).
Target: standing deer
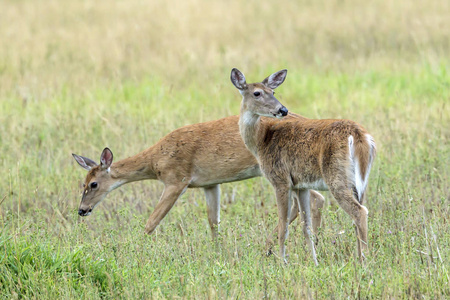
point(195, 156)
point(299, 154)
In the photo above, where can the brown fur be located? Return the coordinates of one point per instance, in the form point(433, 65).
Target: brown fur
point(299, 153)
point(195, 156)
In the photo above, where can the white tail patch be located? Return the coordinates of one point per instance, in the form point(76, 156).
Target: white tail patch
point(372, 150)
point(354, 173)
point(373, 147)
point(360, 182)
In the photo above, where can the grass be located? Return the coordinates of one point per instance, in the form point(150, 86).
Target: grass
point(76, 77)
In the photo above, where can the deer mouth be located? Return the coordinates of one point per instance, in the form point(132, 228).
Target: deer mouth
point(282, 112)
point(278, 116)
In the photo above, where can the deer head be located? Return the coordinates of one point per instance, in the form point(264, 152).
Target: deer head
point(98, 182)
point(258, 98)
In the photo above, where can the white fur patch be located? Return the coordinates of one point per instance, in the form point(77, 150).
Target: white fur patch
point(360, 182)
point(115, 185)
point(365, 208)
point(319, 185)
point(355, 169)
point(248, 118)
point(371, 142)
point(373, 147)
point(350, 147)
point(351, 171)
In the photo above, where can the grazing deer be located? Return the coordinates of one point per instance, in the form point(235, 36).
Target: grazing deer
point(195, 156)
point(299, 154)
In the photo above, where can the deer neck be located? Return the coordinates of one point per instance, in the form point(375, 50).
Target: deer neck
point(135, 168)
point(249, 127)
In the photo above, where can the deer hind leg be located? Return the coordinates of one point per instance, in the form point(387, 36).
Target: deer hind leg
point(168, 198)
point(295, 209)
point(359, 213)
point(317, 204)
point(305, 212)
point(361, 242)
point(212, 194)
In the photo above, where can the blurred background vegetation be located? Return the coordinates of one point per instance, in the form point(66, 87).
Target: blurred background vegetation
point(49, 46)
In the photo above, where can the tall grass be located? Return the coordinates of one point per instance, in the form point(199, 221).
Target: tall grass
point(79, 76)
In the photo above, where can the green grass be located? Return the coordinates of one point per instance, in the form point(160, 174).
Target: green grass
point(78, 77)
point(48, 251)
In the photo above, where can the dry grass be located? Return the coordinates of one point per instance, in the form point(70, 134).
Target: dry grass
point(50, 45)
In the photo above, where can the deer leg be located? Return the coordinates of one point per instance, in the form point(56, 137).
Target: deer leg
point(305, 212)
point(284, 204)
point(292, 216)
point(361, 243)
point(295, 208)
point(168, 198)
point(317, 203)
point(359, 213)
point(212, 194)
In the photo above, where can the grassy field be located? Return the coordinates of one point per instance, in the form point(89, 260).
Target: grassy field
point(77, 76)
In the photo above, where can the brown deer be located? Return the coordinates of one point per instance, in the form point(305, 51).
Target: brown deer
point(299, 154)
point(195, 156)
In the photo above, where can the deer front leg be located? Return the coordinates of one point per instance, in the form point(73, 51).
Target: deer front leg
point(212, 194)
point(317, 203)
point(168, 198)
point(305, 212)
point(294, 211)
point(284, 203)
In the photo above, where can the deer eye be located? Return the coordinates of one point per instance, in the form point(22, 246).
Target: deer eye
point(94, 185)
point(257, 94)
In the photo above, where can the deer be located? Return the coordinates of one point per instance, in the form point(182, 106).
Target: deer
point(300, 154)
point(202, 155)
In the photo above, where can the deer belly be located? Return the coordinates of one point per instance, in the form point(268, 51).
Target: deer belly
point(319, 185)
point(202, 179)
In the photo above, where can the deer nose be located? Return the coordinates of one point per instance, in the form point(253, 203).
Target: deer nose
point(83, 212)
point(283, 111)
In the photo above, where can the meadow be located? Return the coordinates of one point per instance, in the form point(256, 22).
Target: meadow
point(78, 76)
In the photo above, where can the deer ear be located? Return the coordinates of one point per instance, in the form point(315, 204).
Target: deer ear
point(84, 162)
point(106, 158)
point(238, 79)
point(275, 80)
